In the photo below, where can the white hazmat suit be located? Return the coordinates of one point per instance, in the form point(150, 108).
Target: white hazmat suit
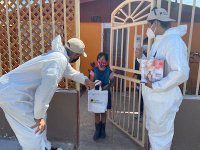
point(163, 100)
point(25, 93)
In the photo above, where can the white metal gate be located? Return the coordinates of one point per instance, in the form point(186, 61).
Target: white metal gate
point(127, 20)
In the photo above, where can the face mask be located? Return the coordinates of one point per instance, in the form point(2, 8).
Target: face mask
point(102, 64)
point(150, 33)
point(73, 60)
point(145, 47)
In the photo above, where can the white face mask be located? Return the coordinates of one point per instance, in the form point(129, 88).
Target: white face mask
point(145, 47)
point(150, 33)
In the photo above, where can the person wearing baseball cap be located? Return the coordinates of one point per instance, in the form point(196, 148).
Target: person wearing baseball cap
point(75, 48)
point(163, 98)
point(26, 91)
point(158, 22)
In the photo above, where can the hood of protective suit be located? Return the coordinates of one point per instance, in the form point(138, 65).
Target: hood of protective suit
point(179, 30)
point(57, 46)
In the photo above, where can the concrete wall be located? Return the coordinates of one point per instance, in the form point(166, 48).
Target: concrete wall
point(5, 130)
point(187, 126)
point(62, 121)
point(63, 117)
point(104, 8)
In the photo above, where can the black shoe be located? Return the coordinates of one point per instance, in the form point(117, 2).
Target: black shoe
point(97, 131)
point(103, 130)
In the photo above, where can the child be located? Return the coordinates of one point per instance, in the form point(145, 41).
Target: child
point(103, 73)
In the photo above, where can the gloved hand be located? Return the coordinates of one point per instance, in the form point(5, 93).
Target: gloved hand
point(106, 87)
point(40, 125)
point(149, 83)
point(89, 84)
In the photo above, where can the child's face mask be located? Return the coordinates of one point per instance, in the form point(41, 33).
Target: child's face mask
point(102, 63)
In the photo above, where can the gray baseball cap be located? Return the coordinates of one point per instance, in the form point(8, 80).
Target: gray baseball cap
point(159, 14)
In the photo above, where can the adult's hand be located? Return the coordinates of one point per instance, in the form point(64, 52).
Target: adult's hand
point(139, 52)
point(149, 83)
point(106, 87)
point(89, 84)
point(40, 124)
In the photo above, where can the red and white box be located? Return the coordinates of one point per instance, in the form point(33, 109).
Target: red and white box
point(153, 69)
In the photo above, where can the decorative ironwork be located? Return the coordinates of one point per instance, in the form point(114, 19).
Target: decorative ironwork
point(27, 28)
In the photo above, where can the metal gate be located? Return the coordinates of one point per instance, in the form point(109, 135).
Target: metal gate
point(27, 28)
point(128, 23)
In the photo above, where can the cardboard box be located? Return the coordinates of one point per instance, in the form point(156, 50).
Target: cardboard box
point(152, 69)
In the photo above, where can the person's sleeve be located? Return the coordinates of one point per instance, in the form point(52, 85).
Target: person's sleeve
point(143, 57)
point(74, 75)
point(51, 75)
point(92, 73)
point(111, 77)
point(176, 58)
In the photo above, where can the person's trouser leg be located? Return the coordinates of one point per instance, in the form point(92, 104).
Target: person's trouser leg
point(26, 136)
point(160, 116)
point(141, 105)
point(161, 134)
point(20, 117)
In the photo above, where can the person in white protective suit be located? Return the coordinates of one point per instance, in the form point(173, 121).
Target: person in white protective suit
point(163, 98)
point(25, 92)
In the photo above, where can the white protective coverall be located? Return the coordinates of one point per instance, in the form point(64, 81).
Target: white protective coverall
point(163, 100)
point(25, 93)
